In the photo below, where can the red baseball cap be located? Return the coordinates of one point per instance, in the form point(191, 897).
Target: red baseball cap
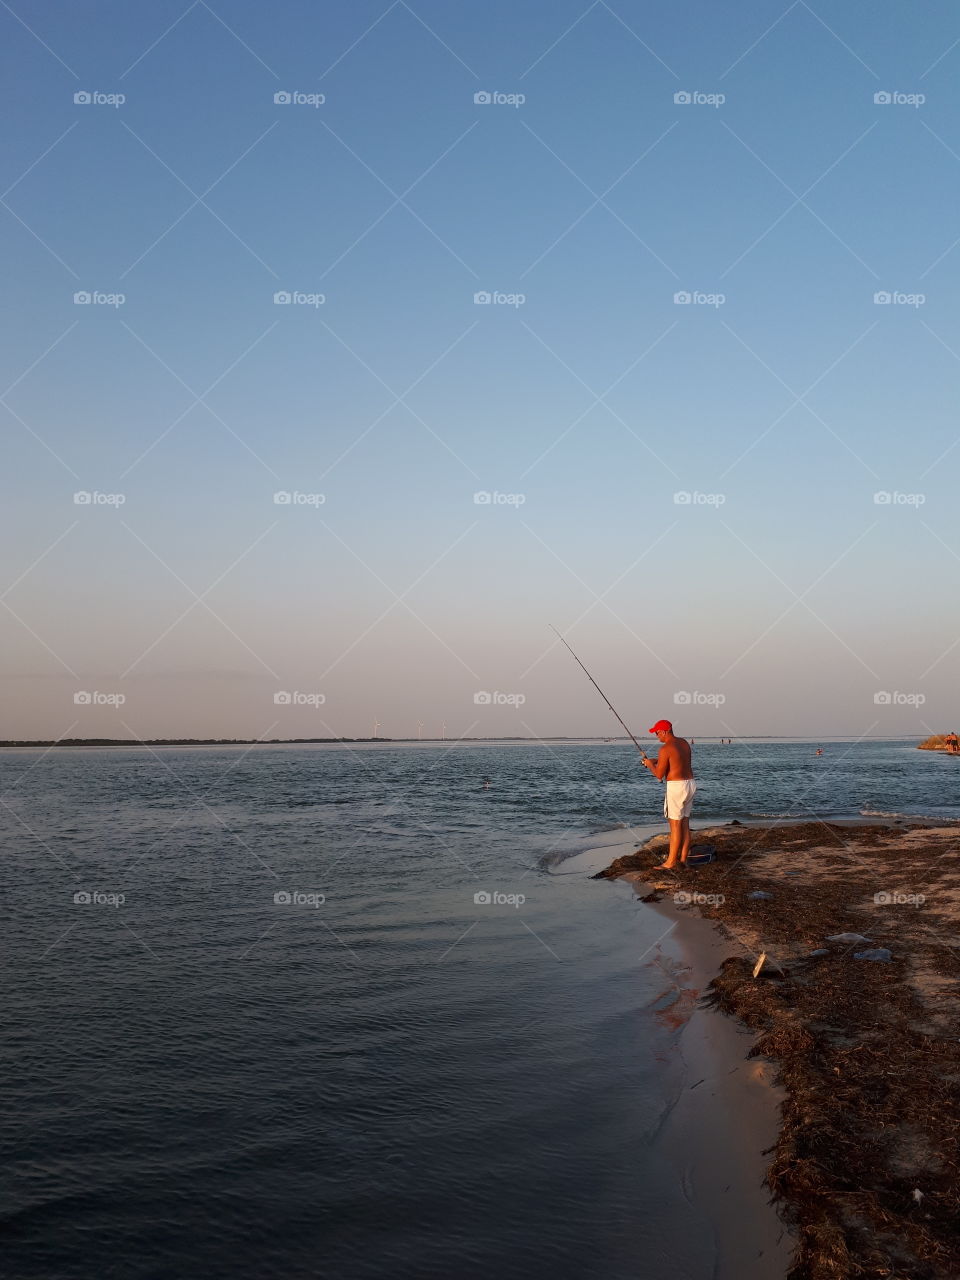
point(662, 726)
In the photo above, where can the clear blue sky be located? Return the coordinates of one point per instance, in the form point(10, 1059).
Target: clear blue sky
point(599, 197)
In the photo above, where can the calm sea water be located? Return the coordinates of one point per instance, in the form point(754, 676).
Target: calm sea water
point(399, 1081)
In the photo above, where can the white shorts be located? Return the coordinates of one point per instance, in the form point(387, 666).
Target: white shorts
point(678, 799)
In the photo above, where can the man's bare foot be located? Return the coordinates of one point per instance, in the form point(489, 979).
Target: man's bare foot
point(665, 866)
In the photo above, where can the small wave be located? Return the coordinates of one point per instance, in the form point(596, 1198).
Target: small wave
point(786, 813)
point(554, 857)
point(802, 815)
point(947, 814)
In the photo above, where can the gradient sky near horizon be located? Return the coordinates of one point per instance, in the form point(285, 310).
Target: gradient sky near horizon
point(783, 586)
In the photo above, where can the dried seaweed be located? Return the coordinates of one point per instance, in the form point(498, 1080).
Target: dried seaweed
point(869, 1059)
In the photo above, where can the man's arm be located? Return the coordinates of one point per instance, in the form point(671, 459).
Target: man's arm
point(659, 766)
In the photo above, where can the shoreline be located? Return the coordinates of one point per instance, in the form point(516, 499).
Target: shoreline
point(726, 1116)
point(860, 1058)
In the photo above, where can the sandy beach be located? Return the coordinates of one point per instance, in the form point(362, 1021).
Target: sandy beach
point(725, 1116)
point(864, 1053)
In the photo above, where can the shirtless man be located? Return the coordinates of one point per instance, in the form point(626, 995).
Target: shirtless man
point(673, 764)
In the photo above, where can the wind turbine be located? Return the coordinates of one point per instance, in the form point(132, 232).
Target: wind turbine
point(376, 728)
point(419, 730)
point(443, 731)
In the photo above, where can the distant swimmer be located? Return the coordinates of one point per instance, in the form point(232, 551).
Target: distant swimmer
point(673, 766)
point(486, 784)
point(819, 751)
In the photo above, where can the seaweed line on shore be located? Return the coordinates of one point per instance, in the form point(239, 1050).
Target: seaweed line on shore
point(865, 1166)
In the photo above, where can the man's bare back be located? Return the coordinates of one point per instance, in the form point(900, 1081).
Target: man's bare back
point(673, 761)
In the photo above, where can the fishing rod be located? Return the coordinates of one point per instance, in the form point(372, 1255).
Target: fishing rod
point(601, 693)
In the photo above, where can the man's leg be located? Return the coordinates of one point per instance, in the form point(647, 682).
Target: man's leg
point(676, 838)
point(684, 825)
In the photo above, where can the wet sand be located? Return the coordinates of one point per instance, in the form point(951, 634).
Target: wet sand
point(726, 1111)
point(725, 1118)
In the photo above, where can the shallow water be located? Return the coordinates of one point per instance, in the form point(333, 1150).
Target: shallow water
point(399, 1080)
